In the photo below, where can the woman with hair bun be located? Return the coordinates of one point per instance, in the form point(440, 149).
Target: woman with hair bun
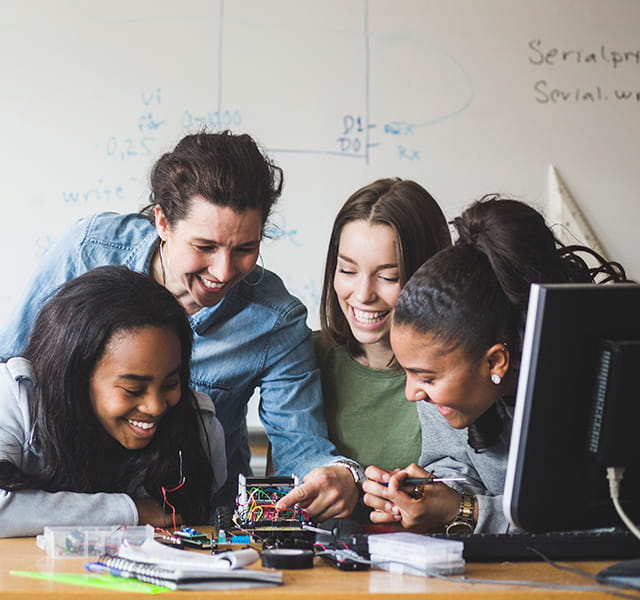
point(200, 238)
point(457, 332)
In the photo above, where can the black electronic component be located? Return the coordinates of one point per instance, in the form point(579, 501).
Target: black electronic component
point(256, 513)
point(287, 558)
point(595, 544)
point(343, 545)
point(616, 410)
point(344, 559)
point(223, 518)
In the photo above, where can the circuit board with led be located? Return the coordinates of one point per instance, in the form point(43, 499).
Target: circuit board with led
point(257, 514)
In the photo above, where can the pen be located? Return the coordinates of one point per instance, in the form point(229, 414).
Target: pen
point(419, 484)
point(95, 567)
point(427, 480)
point(432, 479)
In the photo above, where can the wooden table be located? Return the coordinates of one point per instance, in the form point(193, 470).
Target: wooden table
point(321, 582)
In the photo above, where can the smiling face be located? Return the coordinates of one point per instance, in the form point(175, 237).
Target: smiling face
point(208, 252)
point(135, 382)
point(367, 280)
point(461, 389)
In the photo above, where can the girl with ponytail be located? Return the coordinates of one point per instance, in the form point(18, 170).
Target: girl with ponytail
point(457, 332)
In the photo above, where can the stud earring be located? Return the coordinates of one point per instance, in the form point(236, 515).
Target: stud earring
point(495, 378)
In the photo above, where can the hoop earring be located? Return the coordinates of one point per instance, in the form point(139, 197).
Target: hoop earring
point(164, 274)
point(253, 284)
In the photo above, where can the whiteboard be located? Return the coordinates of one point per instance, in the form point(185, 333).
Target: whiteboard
point(464, 96)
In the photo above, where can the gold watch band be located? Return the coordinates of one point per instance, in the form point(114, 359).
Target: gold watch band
point(464, 521)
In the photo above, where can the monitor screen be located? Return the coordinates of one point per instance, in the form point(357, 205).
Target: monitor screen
point(553, 482)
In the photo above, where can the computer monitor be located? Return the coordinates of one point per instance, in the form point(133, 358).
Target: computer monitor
point(553, 480)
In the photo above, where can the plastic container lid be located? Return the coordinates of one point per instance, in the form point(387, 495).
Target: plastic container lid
point(405, 552)
point(80, 541)
point(415, 545)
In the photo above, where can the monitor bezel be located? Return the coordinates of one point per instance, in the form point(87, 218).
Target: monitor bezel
point(549, 485)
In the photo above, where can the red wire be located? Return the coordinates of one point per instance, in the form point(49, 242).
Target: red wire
point(173, 508)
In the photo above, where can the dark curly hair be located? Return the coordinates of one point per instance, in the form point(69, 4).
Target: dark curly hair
point(225, 169)
point(69, 337)
point(475, 293)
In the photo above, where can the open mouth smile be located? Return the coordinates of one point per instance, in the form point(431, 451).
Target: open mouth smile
point(211, 285)
point(368, 317)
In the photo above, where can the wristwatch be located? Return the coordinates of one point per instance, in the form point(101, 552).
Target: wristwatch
point(356, 470)
point(463, 523)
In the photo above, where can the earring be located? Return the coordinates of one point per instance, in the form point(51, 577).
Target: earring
point(254, 283)
point(495, 378)
point(164, 273)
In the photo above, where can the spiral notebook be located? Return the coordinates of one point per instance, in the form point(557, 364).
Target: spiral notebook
point(184, 570)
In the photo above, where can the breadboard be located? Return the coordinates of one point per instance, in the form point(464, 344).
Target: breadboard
point(568, 222)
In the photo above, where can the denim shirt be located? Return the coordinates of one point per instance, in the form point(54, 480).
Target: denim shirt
point(256, 336)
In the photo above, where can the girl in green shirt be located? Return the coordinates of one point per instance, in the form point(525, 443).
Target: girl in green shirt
point(382, 234)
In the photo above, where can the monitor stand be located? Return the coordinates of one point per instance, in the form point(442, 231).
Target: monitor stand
point(625, 573)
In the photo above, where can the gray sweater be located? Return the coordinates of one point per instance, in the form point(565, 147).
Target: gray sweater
point(446, 452)
point(26, 512)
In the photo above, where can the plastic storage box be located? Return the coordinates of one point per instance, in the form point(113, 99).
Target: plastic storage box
point(80, 542)
point(416, 554)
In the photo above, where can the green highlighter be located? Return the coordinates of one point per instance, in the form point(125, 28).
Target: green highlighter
point(101, 580)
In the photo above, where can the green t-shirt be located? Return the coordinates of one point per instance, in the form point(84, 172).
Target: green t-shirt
point(368, 416)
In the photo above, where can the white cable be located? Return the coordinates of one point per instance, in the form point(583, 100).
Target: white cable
point(614, 475)
point(349, 554)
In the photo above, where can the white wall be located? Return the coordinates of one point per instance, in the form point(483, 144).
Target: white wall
point(456, 94)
